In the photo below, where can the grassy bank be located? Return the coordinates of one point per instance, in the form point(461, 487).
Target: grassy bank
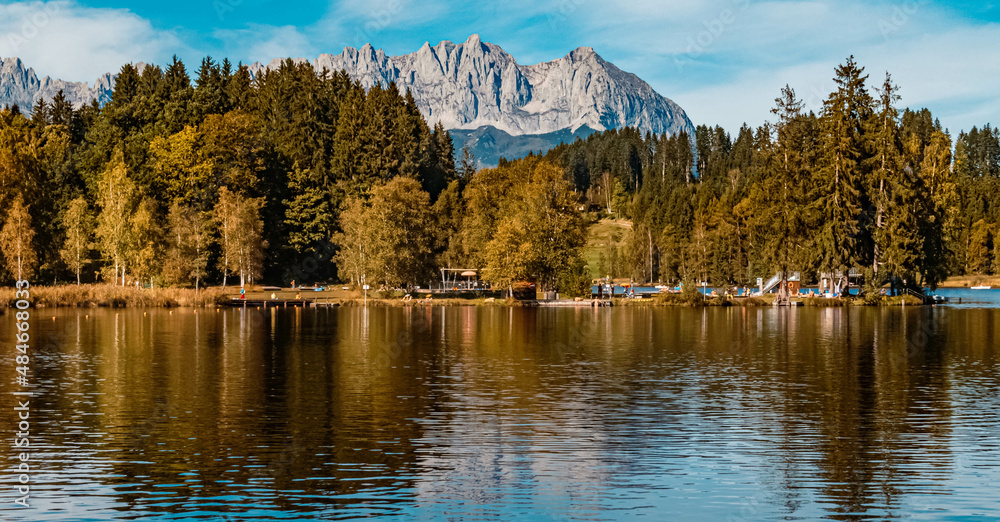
point(970, 281)
point(119, 297)
point(116, 296)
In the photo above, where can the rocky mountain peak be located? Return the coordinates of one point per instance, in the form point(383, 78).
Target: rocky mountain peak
point(464, 86)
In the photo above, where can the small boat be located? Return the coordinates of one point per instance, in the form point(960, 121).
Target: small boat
point(981, 287)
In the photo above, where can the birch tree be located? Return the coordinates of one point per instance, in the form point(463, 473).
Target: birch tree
point(78, 224)
point(16, 239)
point(116, 197)
point(241, 232)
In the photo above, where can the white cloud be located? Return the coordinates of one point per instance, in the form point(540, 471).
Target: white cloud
point(264, 43)
point(725, 61)
point(65, 40)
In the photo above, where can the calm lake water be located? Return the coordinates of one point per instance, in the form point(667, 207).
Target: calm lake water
point(510, 414)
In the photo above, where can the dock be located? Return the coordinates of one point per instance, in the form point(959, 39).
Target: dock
point(585, 303)
point(269, 303)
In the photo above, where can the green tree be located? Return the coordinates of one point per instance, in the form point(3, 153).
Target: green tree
point(981, 248)
point(895, 193)
point(467, 164)
point(939, 209)
point(841, 173)
point(448, 213)
point(785, 192)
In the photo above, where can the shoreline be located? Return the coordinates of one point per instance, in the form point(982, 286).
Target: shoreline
point(107, 296)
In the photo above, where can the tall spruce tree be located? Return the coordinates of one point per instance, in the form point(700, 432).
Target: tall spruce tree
point(841, 175)
point(895, 234)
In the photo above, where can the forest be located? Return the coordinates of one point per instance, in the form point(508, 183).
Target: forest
point(860, 186)
point(231, 179)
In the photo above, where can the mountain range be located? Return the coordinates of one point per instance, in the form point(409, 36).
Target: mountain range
point(499, 107)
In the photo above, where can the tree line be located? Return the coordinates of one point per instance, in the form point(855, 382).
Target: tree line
point(298, 174)
point(225, 177)
point(859, 186)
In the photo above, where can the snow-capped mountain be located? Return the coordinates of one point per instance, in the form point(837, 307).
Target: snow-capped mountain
point(476, 84)
point(497, 106)
point(20, 85)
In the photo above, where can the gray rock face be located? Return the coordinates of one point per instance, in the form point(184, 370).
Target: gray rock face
point(463, 86)
point(20, 85)
point(476, 84)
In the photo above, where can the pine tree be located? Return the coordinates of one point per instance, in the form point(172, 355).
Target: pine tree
point(785, 192)
point(981, 248)
point(467, 164)
point(841, 172)
point(894, 194)
point(938, 210)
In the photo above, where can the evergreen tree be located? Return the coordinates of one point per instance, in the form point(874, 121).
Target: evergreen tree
point(938, 210)
point(894, 195)
point(467, 164)
point(841, 173)
point(785, 192)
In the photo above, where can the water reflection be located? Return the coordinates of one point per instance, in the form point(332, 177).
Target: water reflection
point(486, 413)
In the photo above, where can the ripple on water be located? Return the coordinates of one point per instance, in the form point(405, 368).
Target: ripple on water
point(511, 414)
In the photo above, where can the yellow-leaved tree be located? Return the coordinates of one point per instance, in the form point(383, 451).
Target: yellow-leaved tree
point(16, 238)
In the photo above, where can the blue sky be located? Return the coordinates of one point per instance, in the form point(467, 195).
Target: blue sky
point(724, 61)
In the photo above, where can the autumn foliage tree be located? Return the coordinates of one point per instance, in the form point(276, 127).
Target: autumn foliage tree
point(16, 240)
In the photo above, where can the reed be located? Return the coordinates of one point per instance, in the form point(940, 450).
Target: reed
point(116, 296)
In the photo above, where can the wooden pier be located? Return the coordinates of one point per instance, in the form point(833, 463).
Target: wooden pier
point(586, 303)
point(269, 303)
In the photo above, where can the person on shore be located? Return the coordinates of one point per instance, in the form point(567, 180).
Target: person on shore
point(243, 293)
point(273, 297)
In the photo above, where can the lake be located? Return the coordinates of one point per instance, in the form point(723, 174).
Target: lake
point(510, 413)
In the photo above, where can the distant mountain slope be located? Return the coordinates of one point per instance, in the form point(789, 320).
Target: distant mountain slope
point(489, 144)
